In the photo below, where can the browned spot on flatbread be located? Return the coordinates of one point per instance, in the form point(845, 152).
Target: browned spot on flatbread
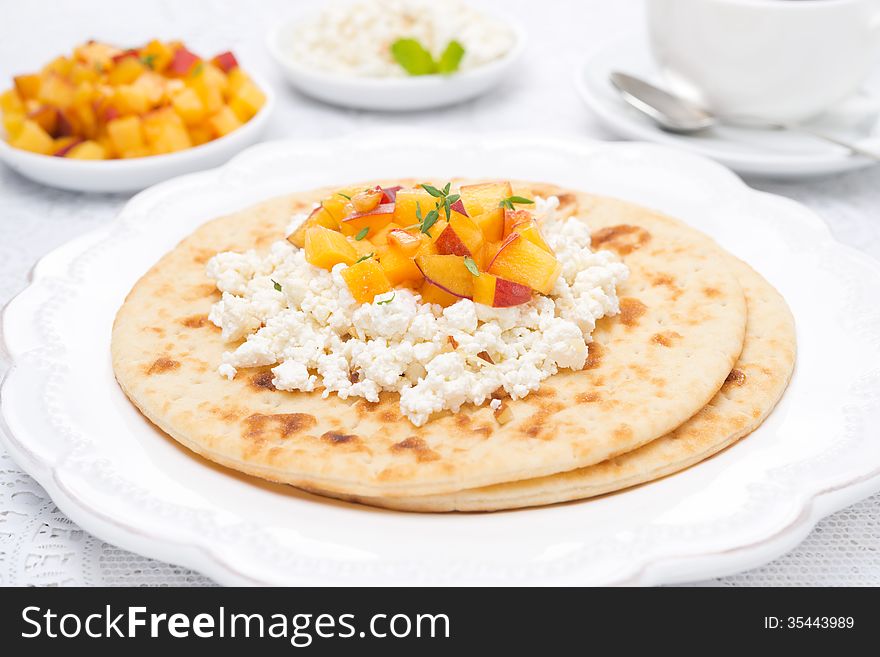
point(158, 330)
point(736, 377)
point(335, 438)
point(416, 446)
point(630, 311)
point(624, 239)
point(668, 282)
point(284, 425)
point(462, 420)
point(586, 397)
point(538, 425)
point(594, 356)
point(163, 364)
point(263, 380)
point(201, 256)
point(623, 432)
point(200, 291)
point(195, 321)
point(566, 199)
point(666, 338)
point(711, 292)
point(484, 430)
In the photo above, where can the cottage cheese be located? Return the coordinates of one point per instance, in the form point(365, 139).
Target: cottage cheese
point(355, 38)
point(316, 336)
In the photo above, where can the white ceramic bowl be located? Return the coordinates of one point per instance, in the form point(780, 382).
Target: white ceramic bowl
point(390, 94)
point(137, 173)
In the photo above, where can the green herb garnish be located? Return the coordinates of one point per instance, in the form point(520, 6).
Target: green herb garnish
point(276, 284)
point(428, 220)
point(149, 60)
point(364, 257)
point(450, 60)
point(345, 196)
point(444, 198)
point(510, 200)
point(197, 70)
point(415, 59)
point(471, 266)
point(362, 233)
point(388, 300)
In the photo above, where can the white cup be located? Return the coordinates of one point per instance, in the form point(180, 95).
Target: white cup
point(774, 60)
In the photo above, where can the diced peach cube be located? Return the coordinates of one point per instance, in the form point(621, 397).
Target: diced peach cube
point(432, 294)
point(224, 121)
point(188, 105)
point(12, 123)
point(10, 101)
point(31, 137)
point(326, 248)
point(164, 131)
point(157, 55)
point(56, 91)
point(125, 70)
point(399, 268)
point(447, 272)
point(87, 150)
point(491, 222)
point(483, 197)
point(498, 292)
point(365, 280)
point(128, 99)
point(462, 236)
point(247, 101)
point(28, 86)
point(406, 202)
point(531, 232)
point(126, 134)
point(404, 242)
point(526, 263)
point(373, 220)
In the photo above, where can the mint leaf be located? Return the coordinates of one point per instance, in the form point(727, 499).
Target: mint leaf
point(413, 57)
point(471, 266)
point(450, 60)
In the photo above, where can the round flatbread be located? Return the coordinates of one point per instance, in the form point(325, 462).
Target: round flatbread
point(651, 367)
point(750, 392)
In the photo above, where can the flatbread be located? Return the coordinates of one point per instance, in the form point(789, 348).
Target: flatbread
point(652, 367)
point(751, 391)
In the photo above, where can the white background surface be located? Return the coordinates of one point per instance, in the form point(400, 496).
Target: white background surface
point(38, 545)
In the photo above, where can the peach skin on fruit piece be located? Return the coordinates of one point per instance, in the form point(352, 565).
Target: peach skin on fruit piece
point(365, 280)
point(529, 229)
point(432, 294)
point(514, 218)
point(460, 237)
point(448, 272)
point(483, 197)
point(526, 263)
point(377, 218)
point(367, 200)
point(326, 248)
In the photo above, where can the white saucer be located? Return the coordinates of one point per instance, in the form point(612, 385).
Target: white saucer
point(747, 151)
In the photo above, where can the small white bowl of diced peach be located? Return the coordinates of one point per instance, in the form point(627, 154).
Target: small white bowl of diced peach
point(110, 119)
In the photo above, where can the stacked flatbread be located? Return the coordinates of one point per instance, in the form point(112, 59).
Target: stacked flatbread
point(699, 355)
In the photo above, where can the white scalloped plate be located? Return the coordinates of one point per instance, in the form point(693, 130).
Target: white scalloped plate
point(69, 425)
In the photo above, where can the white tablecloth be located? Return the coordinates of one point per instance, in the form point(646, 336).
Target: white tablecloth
point(38, 544)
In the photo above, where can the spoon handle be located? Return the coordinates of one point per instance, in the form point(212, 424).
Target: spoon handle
point(818, 134)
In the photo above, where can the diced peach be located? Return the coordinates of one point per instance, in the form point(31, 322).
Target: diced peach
point(188, 105)
point(56, 91)
point(59, 65)
point(513, 218)
point(435, 231)
point(153, 86)
point(432, 294)
point(405, 205)
point(526, 263)
point(200, 134)
point(87, 150)
point(10, 101)
point(126, 134)
point(380, 236)
point(247, 101)
point(491, 222)
point(182, 61)
point(27, 86)
point(225, 61)
point(12, 123)
point(63, 145)
point(318, 217)
point(498, 292)
point(326, 248)
point(129, 99)
point(404, 242)
point(209, 83)
point(157, 55)
point(365, 280)
point(224, 121)
point(164, 131)
point(529, 229)
point(481, 198)
point(447, 272)
point(47, 118)
point(31, 137)
point(373, 220)
point(399, 268)
point(235, 79)
point(462, 236)
point(367, 200)
point(126, 70)
point(82, 73)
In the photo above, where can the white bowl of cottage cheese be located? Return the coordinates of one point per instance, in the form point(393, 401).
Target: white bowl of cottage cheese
point(396, 55)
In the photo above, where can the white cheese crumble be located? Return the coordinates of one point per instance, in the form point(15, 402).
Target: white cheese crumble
point(316, 336)
point(355, 38)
